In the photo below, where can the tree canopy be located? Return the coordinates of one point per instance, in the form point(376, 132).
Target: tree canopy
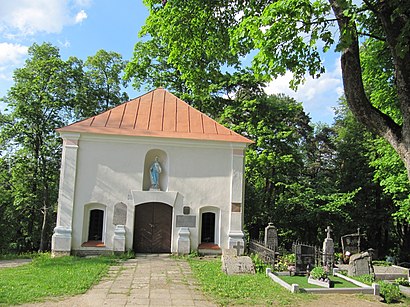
point(48, 93)
point(204, 39)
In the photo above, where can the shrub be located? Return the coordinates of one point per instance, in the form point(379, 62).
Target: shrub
point(402, 282)
point(285, 262)
point(390, 292)
point(318, 273)
point(366, 278)
point(381, 263)
point(260, 265)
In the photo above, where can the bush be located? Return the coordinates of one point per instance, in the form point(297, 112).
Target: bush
point(390, 292)
point(260, 265)
point(366, 278)
point(318, 273)
point(285, 262)
point(402, 282)
point(381, 263)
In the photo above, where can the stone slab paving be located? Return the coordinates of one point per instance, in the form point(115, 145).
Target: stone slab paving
point(13, 263)
point(147, 280)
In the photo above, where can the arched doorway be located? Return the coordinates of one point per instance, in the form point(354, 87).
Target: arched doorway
point(152, 228)
point(208, 227)
point(95, 226)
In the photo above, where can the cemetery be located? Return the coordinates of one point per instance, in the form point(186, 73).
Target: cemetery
point(314, 270)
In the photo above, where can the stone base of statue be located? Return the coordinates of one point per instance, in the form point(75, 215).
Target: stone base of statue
point(154, 189)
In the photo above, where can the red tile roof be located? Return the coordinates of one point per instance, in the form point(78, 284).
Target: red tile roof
point(156, 114)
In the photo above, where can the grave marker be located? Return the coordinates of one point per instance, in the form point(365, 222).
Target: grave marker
point(352, 243)
point(238, 248)
point(328, 250)
point(232, 264)
point(305, 257)
point(360, 264)
point(271, 237)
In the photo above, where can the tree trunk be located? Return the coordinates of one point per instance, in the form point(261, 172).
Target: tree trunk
point(42, 247)
point(397, 135)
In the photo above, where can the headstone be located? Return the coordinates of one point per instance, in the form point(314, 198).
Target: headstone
point(305, 258)
point(352, 242)
point(232, 264)
point(328, 250)
point(238, 247)
point(120, 214)
point(360, 264)
point(271, 237)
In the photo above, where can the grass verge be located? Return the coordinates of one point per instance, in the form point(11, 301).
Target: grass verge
point(50, 277)
point(241, 289)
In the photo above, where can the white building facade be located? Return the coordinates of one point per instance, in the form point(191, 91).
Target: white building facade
point(108, 201)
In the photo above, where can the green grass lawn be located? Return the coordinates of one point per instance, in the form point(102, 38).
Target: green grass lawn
point(241, 289)
point(302, 281)
point(50, 277)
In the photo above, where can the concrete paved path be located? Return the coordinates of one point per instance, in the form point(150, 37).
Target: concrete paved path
point(147, 280)
point(13, 263)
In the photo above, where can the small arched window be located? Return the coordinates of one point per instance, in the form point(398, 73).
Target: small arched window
point(95, 228)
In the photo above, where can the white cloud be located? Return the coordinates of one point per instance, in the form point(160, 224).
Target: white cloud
point(11, 56)
point(12, 53)
point(81, 15)
point(319, 96)
point(65, 44)
point(82, 3)
point(26, 17)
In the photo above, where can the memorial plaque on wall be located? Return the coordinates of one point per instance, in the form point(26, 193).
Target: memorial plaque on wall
point(186, 221)
point(120, 214)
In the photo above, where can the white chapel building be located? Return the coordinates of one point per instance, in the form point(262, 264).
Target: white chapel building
point(153, 175)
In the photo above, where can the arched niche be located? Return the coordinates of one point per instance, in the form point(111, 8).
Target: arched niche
point(163, 177)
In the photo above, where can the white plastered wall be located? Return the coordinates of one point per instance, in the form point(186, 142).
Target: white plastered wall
point(200, 174)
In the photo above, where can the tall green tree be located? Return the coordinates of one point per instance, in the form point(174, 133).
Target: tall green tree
point(39, 102)
point(204, 38)
point(104, 83)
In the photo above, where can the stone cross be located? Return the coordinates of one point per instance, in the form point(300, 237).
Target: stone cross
point(238, 248)
point(328, 230)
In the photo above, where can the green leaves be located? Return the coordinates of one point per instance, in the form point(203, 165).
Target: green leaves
point(48, 93)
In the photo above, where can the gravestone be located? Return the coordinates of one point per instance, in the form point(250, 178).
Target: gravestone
point(352, 242)
point(271, 237)
point(233, 264)
point(360, 264)
point(120, 214)
point(328, 250)
point(305, 258)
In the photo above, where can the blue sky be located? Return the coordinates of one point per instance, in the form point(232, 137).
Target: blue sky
point(82, 27)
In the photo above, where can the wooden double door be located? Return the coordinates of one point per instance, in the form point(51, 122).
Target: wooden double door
point(152, 228)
